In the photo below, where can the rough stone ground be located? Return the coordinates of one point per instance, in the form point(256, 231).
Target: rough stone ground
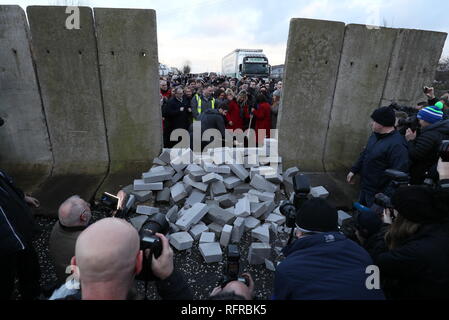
point(202, 277)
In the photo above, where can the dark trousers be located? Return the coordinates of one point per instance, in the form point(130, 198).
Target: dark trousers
point(367, 198)
point(23, 265)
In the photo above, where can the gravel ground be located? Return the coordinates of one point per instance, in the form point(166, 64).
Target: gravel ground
point(202, 277)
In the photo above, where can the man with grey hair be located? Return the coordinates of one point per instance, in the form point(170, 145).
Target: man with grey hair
point(74, 215)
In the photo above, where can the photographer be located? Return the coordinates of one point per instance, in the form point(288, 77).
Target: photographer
point(235, 290)
point(415, 261)
point(423, 149)
point(322, 264)
point(386, 149)
point(108, 257)
point(18, 258)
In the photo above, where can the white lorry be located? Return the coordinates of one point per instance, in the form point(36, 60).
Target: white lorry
point(246, 62)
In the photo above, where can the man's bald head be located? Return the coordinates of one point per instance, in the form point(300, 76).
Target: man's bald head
point(108, 251)
point(74, 212)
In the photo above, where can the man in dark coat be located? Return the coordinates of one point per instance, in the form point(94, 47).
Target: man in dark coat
point(211, 119)
point(17, 255)
point(177, 114)
point(322, 264)
point(424, 148)
point(386, 149)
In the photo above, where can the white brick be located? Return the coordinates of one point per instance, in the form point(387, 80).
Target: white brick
point(142, 196)
point(146, 210)
point(261, 233)
point(207, 237)
point(211, 177)
point(172, 214)
point(258, 252)
point(140, 185)
point(192, 216)
point(251, 223)
point(137, 222)
point(243, 208)
point(195, 197)
point(258, 209)
point(197, 230)
point(164, 195)
point(232, 182)
point(216, 229)
point(342, 216)
point(260, 183)
point(219, 215)
point(225, 235)
point(218, 188)
point(238, 230)
point(198, 185)
point(239, 171)
point(181, 241)
point(211, 252)
point(178, 192)
point(278, 219)
point(319, 192)
point(270, 265)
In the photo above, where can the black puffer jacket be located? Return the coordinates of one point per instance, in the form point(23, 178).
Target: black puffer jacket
point(419, 269)
point(16, 221)
point(423, 151)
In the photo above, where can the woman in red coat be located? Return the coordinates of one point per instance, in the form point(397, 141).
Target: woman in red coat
point(234, 116)
point(262, 115)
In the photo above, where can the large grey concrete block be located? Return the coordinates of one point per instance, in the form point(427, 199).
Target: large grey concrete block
point(232, 182)
point(258, 209)
point(251, 223)
point(225, 237)
point(413, 64)
point(142, 196)
point(219, 215)
point(276, 218)
point(365, 60)
point(226, 200)
point(261, 183)
point(192, 216)
point(129, 71)
point(163, 195)
point(198, 185)
point(172, 214)
point(342, 216)
point(211, 252)
point(311, 68)
point(158, 174)
point(218, 188)
point(239, 170)
point(319, 192)
point(181, 241)
point(26, 149)
point(137, 222)
point(146, 210)
point(216, 229)
point(211, 177)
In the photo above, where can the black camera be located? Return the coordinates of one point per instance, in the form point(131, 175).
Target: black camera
point(301, 188)
point(444, 151)
point(109, 202)
point(398, 179)
point(411, 123)
point(2, 122)
point(150, 244)
point(232, 268)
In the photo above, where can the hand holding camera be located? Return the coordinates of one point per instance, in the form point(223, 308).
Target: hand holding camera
point(429, 92)
point(162, 266)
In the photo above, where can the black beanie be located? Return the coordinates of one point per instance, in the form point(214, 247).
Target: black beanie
point(416, 204)
point(384, 116)
point(318, 216)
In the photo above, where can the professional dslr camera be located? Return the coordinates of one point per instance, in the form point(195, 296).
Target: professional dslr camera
point(150, 244)
point(301, 188)
point(109, 203)
point(232, 268)
point(398, 179)
point(411, 123)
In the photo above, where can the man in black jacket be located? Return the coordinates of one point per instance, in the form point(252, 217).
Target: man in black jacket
point(423, 149)
point(177, 114)
point(18, 259)
point(211, 119)
point(386, 149)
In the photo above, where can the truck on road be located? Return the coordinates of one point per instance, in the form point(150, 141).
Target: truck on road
point(251, 63)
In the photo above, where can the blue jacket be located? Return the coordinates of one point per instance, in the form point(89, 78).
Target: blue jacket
point(325, 266)
point(383, 152)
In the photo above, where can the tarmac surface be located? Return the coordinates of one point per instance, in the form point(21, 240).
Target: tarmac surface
point(201, 277)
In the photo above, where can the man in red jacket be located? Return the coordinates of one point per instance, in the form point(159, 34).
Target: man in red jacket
point(262, 115)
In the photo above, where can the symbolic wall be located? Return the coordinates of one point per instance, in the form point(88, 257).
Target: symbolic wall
point(81, 105)
point(336, 75)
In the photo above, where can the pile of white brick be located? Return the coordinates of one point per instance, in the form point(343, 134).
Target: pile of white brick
point(218, 197)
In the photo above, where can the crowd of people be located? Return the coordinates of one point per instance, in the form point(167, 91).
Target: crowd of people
point(219, 103)
point(406, 239)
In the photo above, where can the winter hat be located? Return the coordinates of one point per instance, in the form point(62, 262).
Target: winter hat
point(369, 222)
point(317, 215)
point(431, 114)
point(384, 116)
point(416, 204)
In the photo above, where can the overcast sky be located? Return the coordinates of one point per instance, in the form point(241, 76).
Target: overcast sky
point(203, 31)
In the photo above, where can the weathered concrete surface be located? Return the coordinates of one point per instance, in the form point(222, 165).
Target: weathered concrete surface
point(413, 65)
point(129, 72)
point(313, 56)
point(24, 142)
point(363, 69)
point(67, 67)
